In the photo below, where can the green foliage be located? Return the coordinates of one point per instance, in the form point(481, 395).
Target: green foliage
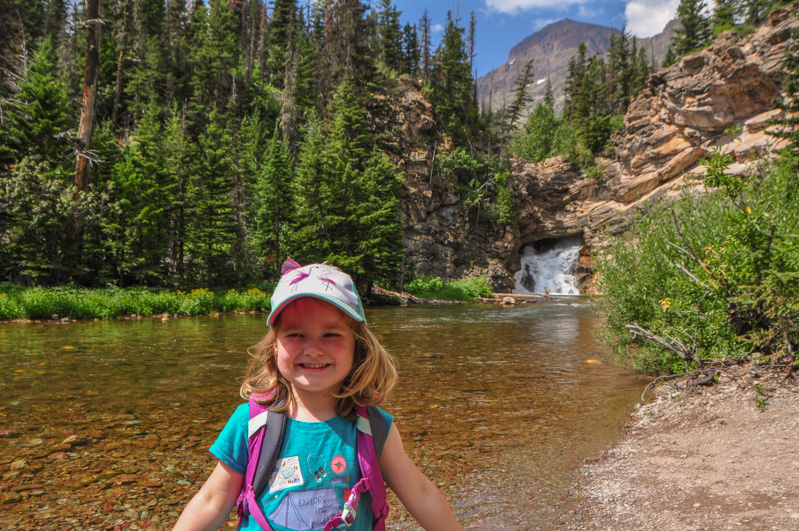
point(788, 126)
point(717, 271)
point(597, 95)
point(17, 302)
point(520, 96)
point(189, 183)
point(535, 142)
point(451, 87)
point(695, 31)
point(432, 287)
point(38, 207)
point(482, 184)
point(37, 118)
point(348, 197)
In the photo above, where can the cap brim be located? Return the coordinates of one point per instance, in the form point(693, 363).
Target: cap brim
point(275, 313)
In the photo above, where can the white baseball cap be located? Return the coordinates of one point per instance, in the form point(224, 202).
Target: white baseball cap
point(322, 281)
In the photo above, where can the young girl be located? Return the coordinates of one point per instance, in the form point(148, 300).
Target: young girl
point(318, 361)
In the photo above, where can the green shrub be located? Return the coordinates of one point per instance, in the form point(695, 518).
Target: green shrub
point(716, 271)
point(432, 287)
point(66, 301)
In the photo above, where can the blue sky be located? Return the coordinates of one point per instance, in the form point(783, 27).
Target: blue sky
point(501, 24)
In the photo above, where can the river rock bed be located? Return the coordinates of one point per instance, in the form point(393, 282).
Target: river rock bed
point(112, 473)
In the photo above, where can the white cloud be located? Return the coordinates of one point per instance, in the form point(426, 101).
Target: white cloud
point(648, 17)
point(437, 28)
point(588, 13)
point(514, 6)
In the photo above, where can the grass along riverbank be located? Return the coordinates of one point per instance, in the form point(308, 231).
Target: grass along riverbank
point(39, 303)
point(17, 302)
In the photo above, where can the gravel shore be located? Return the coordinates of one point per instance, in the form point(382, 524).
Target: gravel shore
point(719, 457)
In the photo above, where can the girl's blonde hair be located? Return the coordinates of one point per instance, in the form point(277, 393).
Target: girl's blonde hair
point(369, 383)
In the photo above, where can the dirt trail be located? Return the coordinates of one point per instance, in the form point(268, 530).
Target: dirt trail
point(724, 457)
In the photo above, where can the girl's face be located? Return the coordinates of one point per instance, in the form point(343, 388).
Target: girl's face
point(315, 346)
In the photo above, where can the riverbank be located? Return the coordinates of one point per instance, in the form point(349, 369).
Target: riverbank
point(719, 457)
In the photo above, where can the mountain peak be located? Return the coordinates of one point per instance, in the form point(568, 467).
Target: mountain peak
point(551, 48)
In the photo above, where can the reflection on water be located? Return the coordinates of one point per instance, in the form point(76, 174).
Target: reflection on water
point(497, 405)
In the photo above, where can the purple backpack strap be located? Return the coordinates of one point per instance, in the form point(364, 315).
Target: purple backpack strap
point(371, 480)
point(370, 469)
point(247, 503)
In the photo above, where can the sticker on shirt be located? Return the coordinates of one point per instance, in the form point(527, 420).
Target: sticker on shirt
point(316, 466)
point(338, 464)
point(287, 474)
point(310, 509)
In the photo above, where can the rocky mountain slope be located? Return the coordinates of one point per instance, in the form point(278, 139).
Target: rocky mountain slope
point(551, 48)
point(670, 126)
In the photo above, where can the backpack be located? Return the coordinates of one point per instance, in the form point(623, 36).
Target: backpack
point(265, 441)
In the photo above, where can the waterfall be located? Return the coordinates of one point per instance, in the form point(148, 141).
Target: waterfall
point(550, 266)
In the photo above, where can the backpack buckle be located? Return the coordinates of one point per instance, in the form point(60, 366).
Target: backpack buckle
point(350, 510)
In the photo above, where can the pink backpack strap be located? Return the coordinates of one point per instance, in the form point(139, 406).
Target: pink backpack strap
point(370, 470)
point(371, 481)
point(247, 503)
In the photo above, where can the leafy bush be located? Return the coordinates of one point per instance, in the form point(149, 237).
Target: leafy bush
point(432, 287)
point(42, 303)
point(716, 273)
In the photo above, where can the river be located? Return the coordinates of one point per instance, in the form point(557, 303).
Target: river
point(107, 423)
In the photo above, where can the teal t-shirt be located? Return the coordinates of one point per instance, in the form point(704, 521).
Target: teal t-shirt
point(315, 470)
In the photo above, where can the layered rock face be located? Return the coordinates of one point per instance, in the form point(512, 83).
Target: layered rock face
point(670, 126)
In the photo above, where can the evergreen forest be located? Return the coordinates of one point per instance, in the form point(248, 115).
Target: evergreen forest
point(185, 144)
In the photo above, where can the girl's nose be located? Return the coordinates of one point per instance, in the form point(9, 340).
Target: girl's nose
point(313, 347)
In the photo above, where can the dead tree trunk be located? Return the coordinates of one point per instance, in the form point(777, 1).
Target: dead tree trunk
point(89, 103)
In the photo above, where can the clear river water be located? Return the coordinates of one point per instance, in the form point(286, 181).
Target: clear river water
point(107, 423)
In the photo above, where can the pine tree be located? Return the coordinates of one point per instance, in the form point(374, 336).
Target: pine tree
point(274, 206)
point(306, 87)
point(724, 15)
point(411, 52)
point(178, 68)
point(549, 97)
point(641, 71)
point(591, 116)
point(214, 55)
point(788, 127)
point(145, 196)
point(281, 29)
point(670, 58)
point(348, 197)
point(471, 41)
point(211, 224)
point(451, 88)
point(620, 59)
point(38, 116)
point(695, 30)
point(755, 10)
point(425, 39)
point(390, 35)
point(179, 160)
point(574, 79)
point(345, 54)
point(520, 95)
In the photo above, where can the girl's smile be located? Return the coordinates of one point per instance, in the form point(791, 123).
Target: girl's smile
point(315, 346)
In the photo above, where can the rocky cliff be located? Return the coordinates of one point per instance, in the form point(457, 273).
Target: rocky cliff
point(670, 126)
